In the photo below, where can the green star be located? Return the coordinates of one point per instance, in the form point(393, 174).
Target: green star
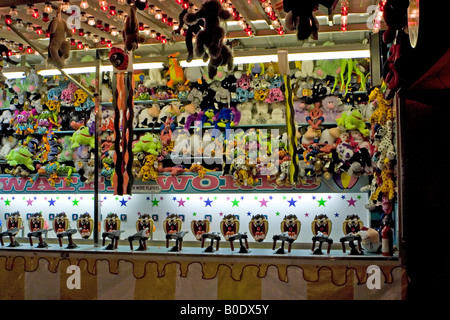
point(75, 202)
point(194, 214)
point(359, 196)
point(277, 213)
point(284, 197)
point(321, 202)
point(187, 198)
point(7, 202)
point(155, 202)
point(235, 203)
point(256, 198)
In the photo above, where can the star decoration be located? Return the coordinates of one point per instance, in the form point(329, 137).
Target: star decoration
point(155, 202)
point(181, 202)
point(194, 214)
point(343, 197)
point(51, 202)
point(161, 198)
point(75, 202)
point(29, 202)
point(249, 213)
point(329, 197)
point(336, 214)
point(221, 213)
point(292, 202)
point(123, 202)
point(174, 198)
point(321, 202)
point(263, 202)
point(314, 197)
point(7, 202)
point(277, 213)
point(207, 202)
point(235, 202)
point(359, 197)
point(306, 214)
point(351, 202)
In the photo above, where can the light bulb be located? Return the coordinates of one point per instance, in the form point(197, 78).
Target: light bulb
point(151, 10)
point(19, 23)
point(91, 21)
point(65, 5)
point(88, 36)
point(30, 9)
point(83, 17)
point(35, 13)
point(48, 7)
point(158, 14)
point(84, 4)
point(147, 31)
point(13, 11)
point(114, 32)
point(86, 47)
point(102, 3)
point(30, 27)
point(153, 34)
point(95, 39)
point(122, 2)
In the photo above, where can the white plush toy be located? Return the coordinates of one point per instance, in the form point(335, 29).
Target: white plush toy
point(367, 109)
point(277, 113)
point(149, 117)
point(6, 117)
point(246, 110)
point(307, 69)
point(154, 79)
point(329, 136)
point(193, 74)
point(262, 113)
point(386, 149)
point(8, 143)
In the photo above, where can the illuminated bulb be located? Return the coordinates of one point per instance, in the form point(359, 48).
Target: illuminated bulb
point(35, 14)
point(179, 1)
point(153, 34)
point(106, 28)
point(175, 26)
point(114, 32)
point(112, 10)
point(18, 55)
point(8, 19)
point(81, 32)
point(29, 49)
point(185, 4)
point(158, 14)
point(122, 2)
point(99, 24)
point(158, 36)
point(72, 42)
point(91, 21)
point(30, 9)
point(102, 3)
point(275, 24)
point(164, 18)
point(88, 36)
point(20, 47)
point(95, 39)
point(10, 53)
point(86, 47)
point(109, 44)
point(83, 17)
point(105, 8)
point(65, 5)
point(80, 45)
point(30, 27)
point(47, 34)
point(120, 15)
point(147, 31)
point(141, 26)
point(84, 4)
point(48, 7)
point(151, 10)
point(13, 11)
point(163, 40)
point(102, 41)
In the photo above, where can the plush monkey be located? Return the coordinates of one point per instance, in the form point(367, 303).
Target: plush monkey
point(59, 47)
point(210, 39)
point(130, 31)
point(192, 30)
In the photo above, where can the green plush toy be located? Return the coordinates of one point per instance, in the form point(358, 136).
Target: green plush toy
point(66, 153)
point(82, 137)
point(20, 155)
point(149, 143)
point(353, 120)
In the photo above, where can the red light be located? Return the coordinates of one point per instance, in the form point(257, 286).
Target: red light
point(102, 41)
point(104, 8)
point(74, 30)
point(39, 30)
point(163, 40)
point(112, 10)
point(106, 28)
point(20, 47)
point(280, 31)
point(72, 42)
point(179, 1)
point(29, 49)
point(141, 26)
point(99, 24)
point(45, 17)
point(35, 14)
point(109, 44)
point(185, 4)
point(81, 32)
point(10, 53)
point(47, 34)
point(164, 18)
point(158, 36)
point(170, 22)
point(8, 19)
point(80, 45)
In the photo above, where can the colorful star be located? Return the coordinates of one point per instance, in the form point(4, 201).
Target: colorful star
point(75, 202)
point(263, 202)
point(7, 202)
point(249, 213)
point(321, 202)
point(329, 197)
point(194, 214)
point(336, 214)
point(343, 197)
point(207, 202)
point(292, 202)
point(174, 198)
point(351, 202)
point(359, 197)
point(181, 202)
point(277, 213)
point(235, 203)
point(148, 198)
point(51, 202)
point(30, 202)
point(306, 214)
point(221, 213)
point(155, 203)
point(123, 202)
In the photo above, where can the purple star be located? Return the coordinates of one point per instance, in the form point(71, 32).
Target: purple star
point(263, 202)
point(306, 214)
point(30, 202)
point(351, 202)
point(181, 202)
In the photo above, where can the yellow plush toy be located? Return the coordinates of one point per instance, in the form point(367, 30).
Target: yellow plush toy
point(59, 47)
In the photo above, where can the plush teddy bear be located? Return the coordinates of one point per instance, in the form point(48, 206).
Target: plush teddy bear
point(58, 47)
point(212, 35)
point(8, 143)
point(262, 113)
point(277, 113)
point(246, 109)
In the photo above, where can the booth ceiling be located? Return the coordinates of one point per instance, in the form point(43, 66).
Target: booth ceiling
point(251, 30)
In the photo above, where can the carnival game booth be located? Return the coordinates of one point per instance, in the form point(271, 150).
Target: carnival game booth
point(268, 176)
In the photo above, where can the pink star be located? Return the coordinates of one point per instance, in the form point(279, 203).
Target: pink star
point(306, 214)
point(299, 197)
point(351, 202)
point(228, 198)
point(30, 202)
point(221, 213)
point(264, 202)
point(181, 202)
point(329, 197)
point(201, 198)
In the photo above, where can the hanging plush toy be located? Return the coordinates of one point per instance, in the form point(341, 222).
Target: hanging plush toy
point(300, 16)
point(192, 30)
point(130, 32)
point(211, 37)
point(59, 47)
